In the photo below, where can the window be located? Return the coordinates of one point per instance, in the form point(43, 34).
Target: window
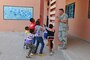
point(89, 10)
point(70, 10)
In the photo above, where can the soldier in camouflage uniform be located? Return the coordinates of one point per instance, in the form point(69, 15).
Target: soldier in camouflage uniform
point(63, 28)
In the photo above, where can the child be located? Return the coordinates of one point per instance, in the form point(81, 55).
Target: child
point(50, 38)
point(45, 34)
point(32, 23)
point(27, 30)
point(29, 43)
point(39, 31)
point(32, 26)
point(26, 33)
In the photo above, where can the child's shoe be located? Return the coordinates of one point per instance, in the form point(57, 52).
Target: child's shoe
point(41, 54)
point(26, 47)
point(28, 57)
point(51, 53)
point(35, 53)
point(31, 54)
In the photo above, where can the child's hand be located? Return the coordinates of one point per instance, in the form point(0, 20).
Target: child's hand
point(57, 17)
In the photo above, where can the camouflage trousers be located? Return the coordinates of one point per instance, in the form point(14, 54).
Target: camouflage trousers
point(63, 38)
point(31, 48)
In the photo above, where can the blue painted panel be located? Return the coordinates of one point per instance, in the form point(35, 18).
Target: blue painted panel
point(17, 13)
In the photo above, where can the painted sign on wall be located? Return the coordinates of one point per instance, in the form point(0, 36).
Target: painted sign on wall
point(17, 13)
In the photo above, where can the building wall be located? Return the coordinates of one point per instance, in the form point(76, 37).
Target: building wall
point(45, 12)
point(41, 11)
point(14, 25)
point(80, 25)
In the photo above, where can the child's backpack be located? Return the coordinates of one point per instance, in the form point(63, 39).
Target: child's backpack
point(45, 34)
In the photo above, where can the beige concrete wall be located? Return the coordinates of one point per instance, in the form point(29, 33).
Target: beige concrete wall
point(45, 12)
point(80, 25)
point(14, 25)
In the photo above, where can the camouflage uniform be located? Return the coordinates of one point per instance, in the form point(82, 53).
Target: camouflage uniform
point(63, 30)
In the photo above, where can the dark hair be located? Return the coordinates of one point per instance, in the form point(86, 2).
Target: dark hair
point(44, 25)
point(32, 20)
point(26, 28)
point(50, 26)
point(61, 9)
point(37, 22)
point(31, 30)
point(38, 19)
